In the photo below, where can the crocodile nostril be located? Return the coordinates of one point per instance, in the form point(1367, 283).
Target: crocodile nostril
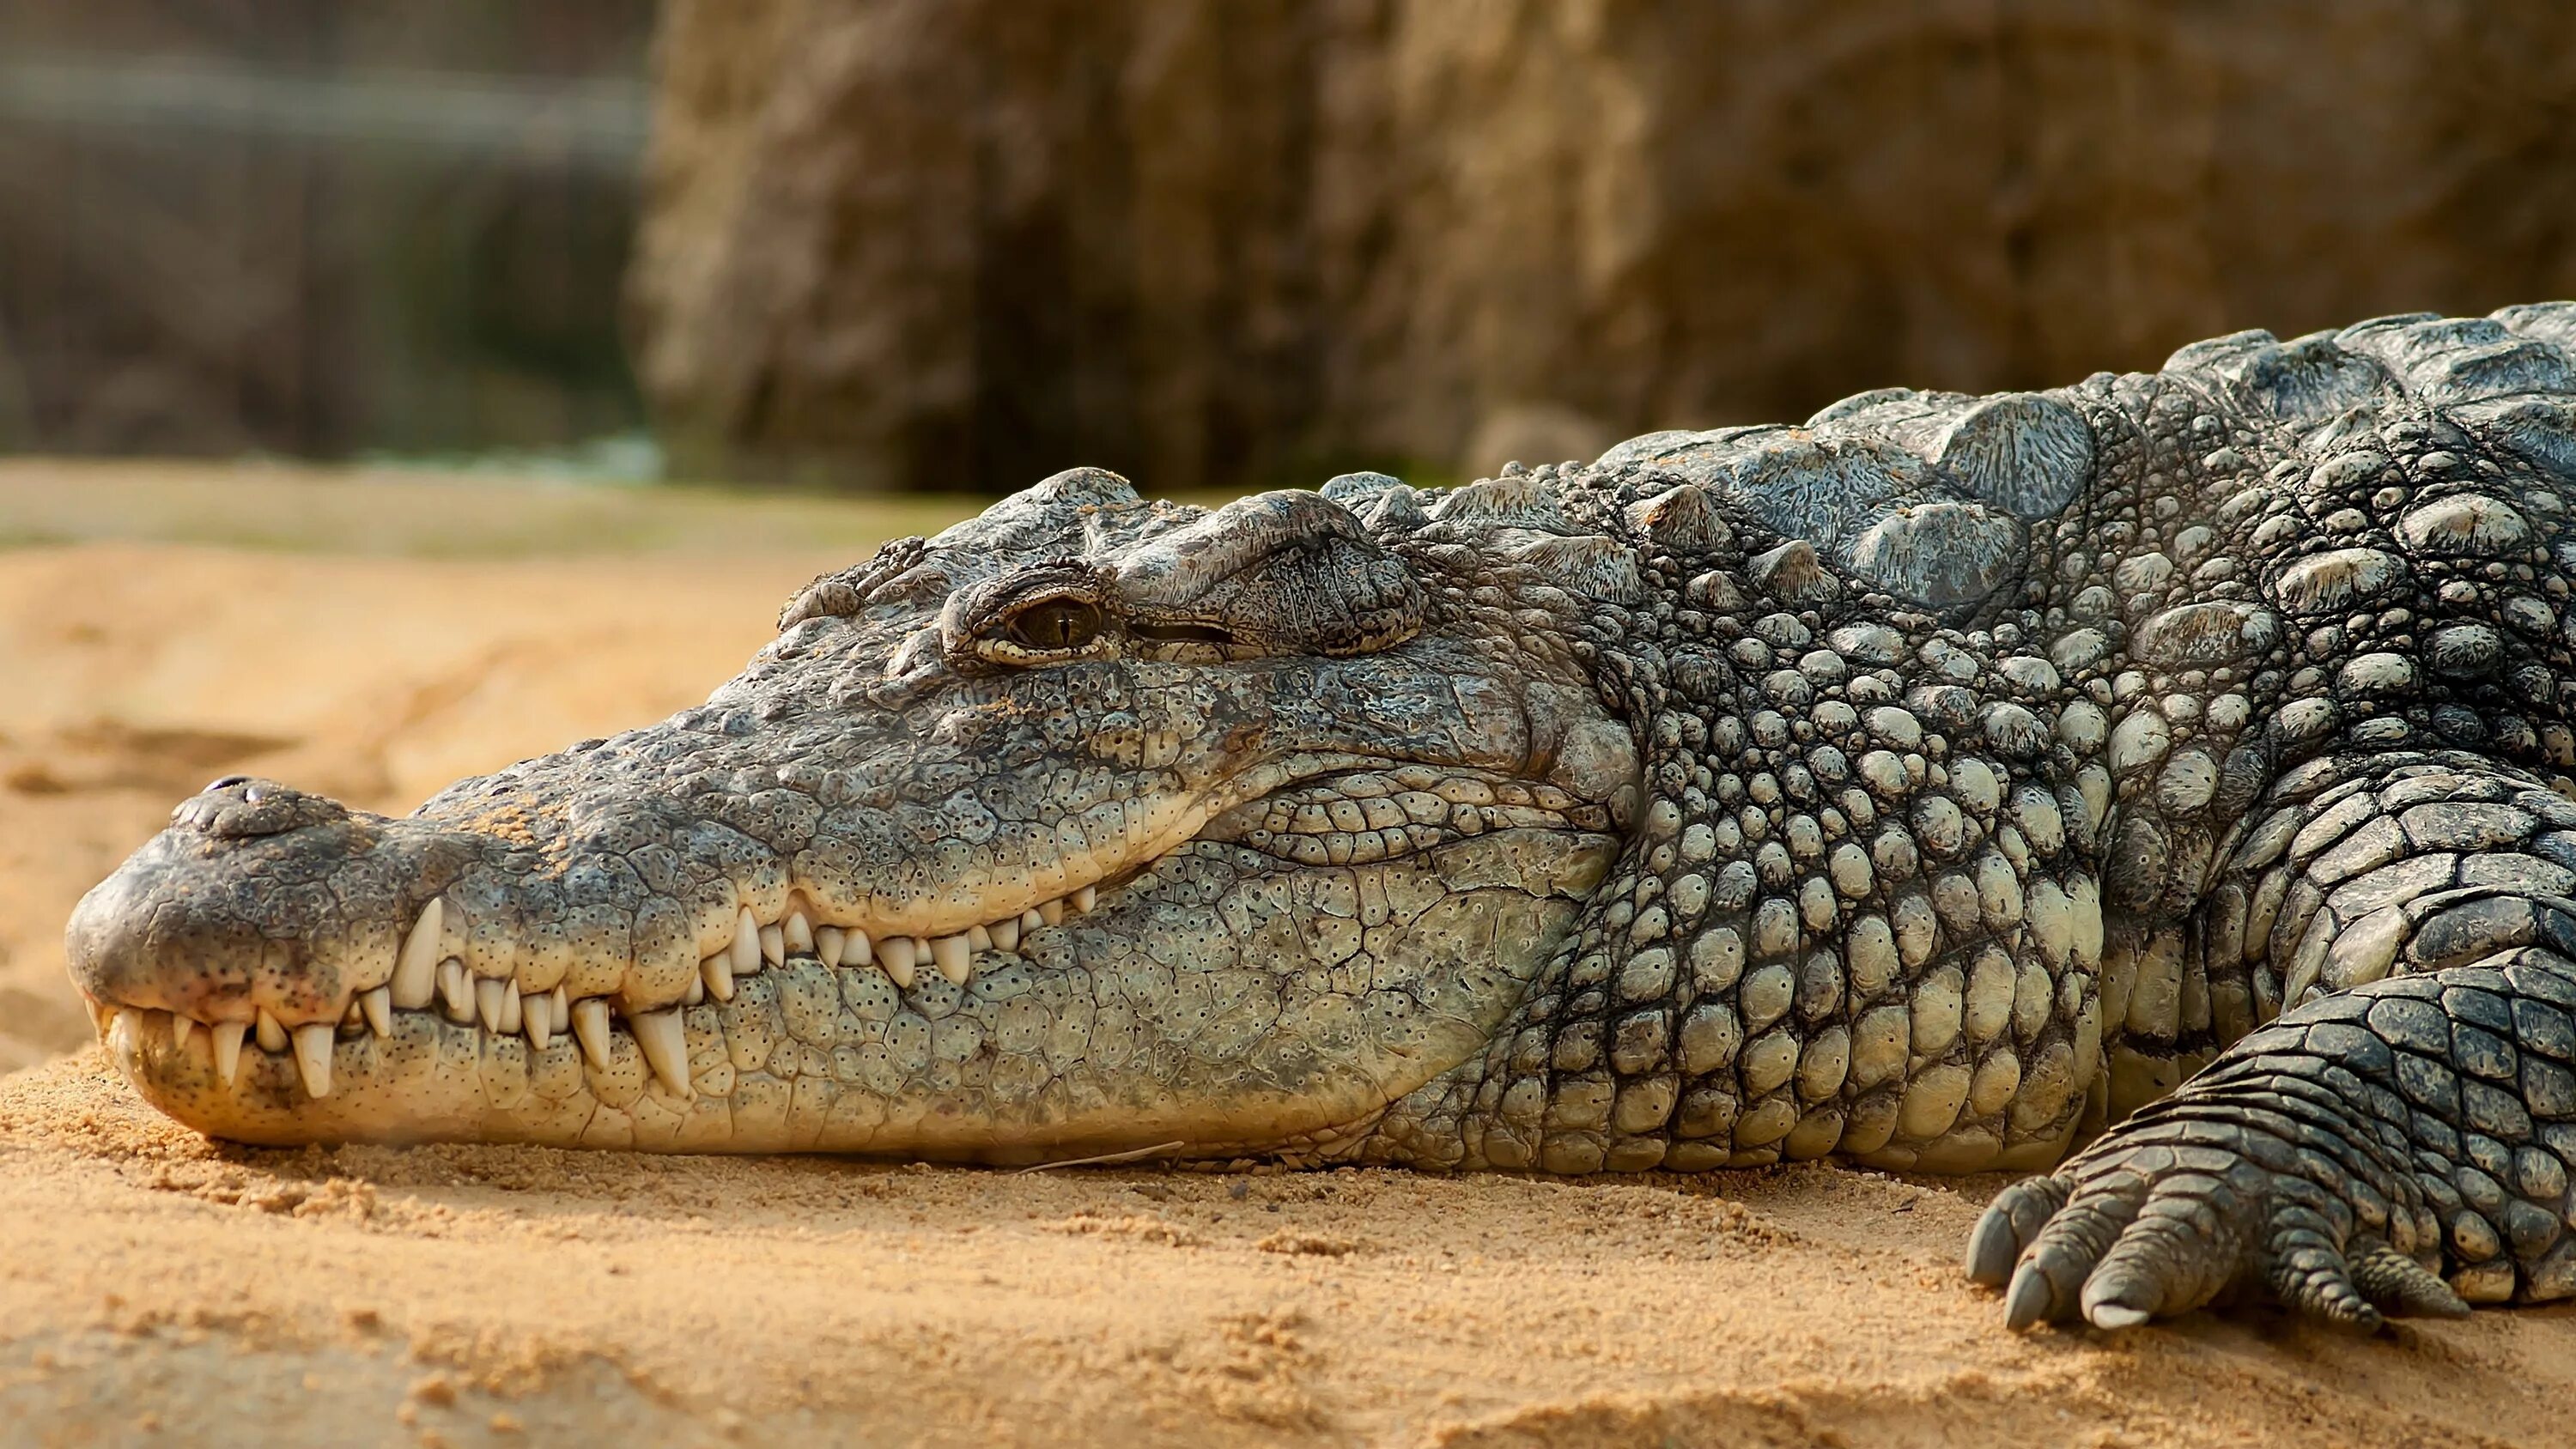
point(257, 807)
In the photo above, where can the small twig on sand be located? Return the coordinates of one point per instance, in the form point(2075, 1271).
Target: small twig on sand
point(1130, 1155)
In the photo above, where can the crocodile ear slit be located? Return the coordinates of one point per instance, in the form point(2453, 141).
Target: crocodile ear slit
point(1280, 573)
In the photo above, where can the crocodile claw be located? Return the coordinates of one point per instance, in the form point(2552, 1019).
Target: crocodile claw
point(2132, 1234)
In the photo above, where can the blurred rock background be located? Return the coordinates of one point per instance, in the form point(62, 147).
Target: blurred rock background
point(317, 228)
point(963, 243)
point(1217, 244)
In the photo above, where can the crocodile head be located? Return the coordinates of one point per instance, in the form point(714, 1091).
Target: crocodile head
point(1093, 824)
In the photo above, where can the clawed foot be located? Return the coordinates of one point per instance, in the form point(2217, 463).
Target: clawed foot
point(2130, 1231)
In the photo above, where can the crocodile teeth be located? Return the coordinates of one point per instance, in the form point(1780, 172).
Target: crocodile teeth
point(125, 1038)
point(666, 1047)
point(1031, 919)
point(1006, 934)
point(416, 972)
point(894, 953)
point(773, 945)
point(1052, 913)
point(1084, 899)
point(227, 1037)
point(180, 1025)
point(378, 1007)
point(979, 938)
point(456, 990)
point(272, 1033)
point(799, 932)
point(487, 1002)
point(313, 1056)
point(590, 1025)
point(717, 971)
point(746, 943)
point(696, 993)
point(537, 1015)
point(856, 949)
point(827, 944)
point(954, 958)
point(560, 1015)
point(513, 1014)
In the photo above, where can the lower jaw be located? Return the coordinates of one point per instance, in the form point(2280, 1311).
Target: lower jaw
point(804, 1058)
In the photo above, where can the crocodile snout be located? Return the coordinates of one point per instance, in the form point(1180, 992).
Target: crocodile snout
point(262, 908)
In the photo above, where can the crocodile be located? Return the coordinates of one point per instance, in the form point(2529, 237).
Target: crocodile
point(2157, 788)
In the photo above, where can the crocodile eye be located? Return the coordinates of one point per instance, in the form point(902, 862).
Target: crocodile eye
point(1055, 625)
point(1047, 614)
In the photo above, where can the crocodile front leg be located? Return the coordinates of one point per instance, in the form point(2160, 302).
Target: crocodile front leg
point(2402, 1147)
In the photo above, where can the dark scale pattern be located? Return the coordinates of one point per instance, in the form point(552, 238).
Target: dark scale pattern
point(2412, 820)
point(2332, 1156)
point(1823, 937)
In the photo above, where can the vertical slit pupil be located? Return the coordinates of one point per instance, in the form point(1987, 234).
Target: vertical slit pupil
point(1057, 624)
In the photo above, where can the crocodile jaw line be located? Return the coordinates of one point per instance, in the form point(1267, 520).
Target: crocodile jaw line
point(267, 1074)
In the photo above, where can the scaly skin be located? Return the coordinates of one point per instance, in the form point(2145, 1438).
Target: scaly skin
point(2168, 763)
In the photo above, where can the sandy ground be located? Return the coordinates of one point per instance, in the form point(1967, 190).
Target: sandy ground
point(158, 1287)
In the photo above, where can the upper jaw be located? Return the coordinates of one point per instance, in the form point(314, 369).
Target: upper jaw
point(138, 997)
point(266, 910)
point(237, 918)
